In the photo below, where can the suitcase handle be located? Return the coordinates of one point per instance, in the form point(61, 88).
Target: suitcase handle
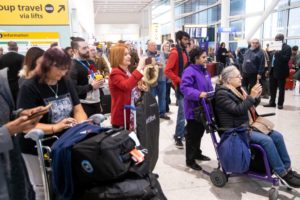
point(129, 107)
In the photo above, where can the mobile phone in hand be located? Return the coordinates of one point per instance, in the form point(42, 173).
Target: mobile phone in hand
point(148, 61)
point(210, 94)
point(40, 113)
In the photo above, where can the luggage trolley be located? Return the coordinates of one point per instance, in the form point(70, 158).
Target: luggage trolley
point(219, 177)
point(44, 153)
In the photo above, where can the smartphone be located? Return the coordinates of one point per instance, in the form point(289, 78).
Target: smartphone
point(210, 94)
point(148, 61)
point(40, 113)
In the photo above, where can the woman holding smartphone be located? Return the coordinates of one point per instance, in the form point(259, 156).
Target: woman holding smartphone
point(123, 85)
point(195, 85)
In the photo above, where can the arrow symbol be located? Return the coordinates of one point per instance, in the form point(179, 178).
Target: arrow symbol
point(61, 7)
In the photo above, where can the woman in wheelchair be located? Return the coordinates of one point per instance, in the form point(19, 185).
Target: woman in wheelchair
point(50, 87)
point(233, 109)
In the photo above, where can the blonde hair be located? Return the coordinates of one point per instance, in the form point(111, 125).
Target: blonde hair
point(117, 53)
point(164, 44)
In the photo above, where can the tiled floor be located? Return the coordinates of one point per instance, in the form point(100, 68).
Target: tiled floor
point(181, 183)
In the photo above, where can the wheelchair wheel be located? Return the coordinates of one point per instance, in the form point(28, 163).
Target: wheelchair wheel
point(218, 178)
point(273, 194)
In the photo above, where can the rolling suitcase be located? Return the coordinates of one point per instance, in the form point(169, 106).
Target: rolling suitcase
point(105, 100)
point(133, 188)
point(146, 123)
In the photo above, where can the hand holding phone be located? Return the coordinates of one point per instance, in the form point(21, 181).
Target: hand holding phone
point(38, 112)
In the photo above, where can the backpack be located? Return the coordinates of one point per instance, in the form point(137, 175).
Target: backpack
point(233, 150)
point(134, 188)
point(105, 157)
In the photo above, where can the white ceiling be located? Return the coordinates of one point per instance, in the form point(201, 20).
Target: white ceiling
point(120, 6)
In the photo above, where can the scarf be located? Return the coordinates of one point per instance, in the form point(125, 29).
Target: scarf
point(242, 94)
point(180, 59)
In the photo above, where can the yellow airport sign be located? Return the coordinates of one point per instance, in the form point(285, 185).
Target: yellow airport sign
point(28, 35)
point(41, 42)
point(34, 12)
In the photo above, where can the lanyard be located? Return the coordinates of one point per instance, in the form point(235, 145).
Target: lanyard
point(85, 66)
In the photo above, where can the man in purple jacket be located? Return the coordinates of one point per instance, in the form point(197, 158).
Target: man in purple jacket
point(196, 83)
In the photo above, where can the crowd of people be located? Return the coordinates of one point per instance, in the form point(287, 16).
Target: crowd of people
point(70, 81)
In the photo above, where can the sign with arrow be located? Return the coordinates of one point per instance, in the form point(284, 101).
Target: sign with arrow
point(35, 13)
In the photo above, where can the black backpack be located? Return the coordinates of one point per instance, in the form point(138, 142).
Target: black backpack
point(104, 157)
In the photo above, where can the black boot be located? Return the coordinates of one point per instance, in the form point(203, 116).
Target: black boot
point(194, 166)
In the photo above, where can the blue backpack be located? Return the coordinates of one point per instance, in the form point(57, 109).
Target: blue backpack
point(234, 151)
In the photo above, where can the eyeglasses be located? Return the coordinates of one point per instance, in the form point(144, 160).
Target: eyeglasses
point(238, 76)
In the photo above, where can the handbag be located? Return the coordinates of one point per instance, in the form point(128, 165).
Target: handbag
point(199, 115)
point(233, 150)
point(263, 125)
point(296, 76)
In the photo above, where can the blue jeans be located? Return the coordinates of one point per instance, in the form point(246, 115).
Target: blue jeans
point(160, 91)
point(180, 124)
point(275, 148)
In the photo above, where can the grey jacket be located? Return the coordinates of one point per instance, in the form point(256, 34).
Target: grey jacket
point(14, 181)
point(6, 102)
point(160, 58)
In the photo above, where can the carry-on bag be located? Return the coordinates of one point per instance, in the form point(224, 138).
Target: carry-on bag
point(134, 188)
point(146, 120)
point(105, 157)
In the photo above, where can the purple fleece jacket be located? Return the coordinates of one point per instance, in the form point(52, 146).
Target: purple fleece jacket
point(195, 79)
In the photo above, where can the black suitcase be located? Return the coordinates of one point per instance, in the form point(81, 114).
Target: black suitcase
point(147, 114)
point(134, 188)
point(105, 100)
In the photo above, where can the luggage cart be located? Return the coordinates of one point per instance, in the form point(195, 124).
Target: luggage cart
point(44, 152)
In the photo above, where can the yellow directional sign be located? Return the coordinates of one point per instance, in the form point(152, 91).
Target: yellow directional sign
point(34, 12)
point(28, 35)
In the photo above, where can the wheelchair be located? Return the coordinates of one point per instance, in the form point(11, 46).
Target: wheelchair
point(259, 169)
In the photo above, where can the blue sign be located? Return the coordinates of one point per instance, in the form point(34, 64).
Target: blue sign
point(226, 30)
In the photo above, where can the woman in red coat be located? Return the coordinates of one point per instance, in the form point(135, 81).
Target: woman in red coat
point(122, 84)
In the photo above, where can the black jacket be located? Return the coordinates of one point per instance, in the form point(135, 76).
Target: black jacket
point(280, 68)
point(79, 76)
point(231, 111)
point(222, 55)
point(14, 62)
point(254, 62)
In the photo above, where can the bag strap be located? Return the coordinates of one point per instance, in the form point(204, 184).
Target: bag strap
point(87, 68)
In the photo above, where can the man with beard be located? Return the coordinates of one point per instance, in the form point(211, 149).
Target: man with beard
point(176, 63)
point(85, 77)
